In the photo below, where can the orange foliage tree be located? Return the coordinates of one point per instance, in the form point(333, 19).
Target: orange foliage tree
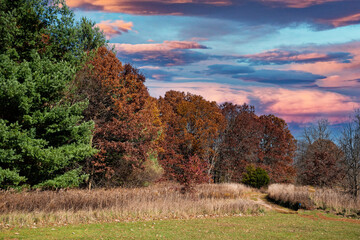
point(192, 126)
point(127, 123)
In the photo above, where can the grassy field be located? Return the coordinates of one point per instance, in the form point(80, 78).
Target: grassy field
point(161, 201)
point(272, 225)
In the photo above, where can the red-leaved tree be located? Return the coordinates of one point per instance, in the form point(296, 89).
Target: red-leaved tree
point(263, 141)
point(277, 149)
point(323, 164)
point(239, 142)
point(127, 123)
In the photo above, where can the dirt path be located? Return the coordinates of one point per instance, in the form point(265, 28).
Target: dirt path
point(260, 198)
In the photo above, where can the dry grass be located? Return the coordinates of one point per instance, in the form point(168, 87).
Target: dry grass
point(160, 201)
point(333, 200)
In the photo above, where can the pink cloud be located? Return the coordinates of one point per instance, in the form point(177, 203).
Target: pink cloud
point(134, 6)
point(279, 56)
point(344, 21)
point(210, 91)
point(296, 3)
point(167, 53)
point(114, 28)
point(286, 56)
point(300, 106)
point(348, 80)
point(157, 47)
point(339, 74)
point(303, 106)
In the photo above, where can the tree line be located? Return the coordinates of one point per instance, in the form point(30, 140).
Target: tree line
point(73, 115)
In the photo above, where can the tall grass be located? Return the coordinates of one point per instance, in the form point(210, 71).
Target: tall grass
point(156, 202)
point(306, 197)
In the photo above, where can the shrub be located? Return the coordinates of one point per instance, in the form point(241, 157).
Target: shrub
point(255, 177)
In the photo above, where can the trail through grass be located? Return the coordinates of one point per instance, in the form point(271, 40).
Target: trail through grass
point(261, 199)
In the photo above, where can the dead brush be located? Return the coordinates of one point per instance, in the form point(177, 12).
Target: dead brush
point(334, 200)
point(338, 201)
point(223, 191)
point(290, 196)
point(122, 204)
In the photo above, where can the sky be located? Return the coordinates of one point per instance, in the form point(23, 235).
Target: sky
point(296, 59)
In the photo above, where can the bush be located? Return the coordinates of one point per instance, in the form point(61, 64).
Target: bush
point(255, 177)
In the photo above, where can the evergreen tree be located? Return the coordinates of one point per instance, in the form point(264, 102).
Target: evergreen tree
point(43, 137)
point(255, 177)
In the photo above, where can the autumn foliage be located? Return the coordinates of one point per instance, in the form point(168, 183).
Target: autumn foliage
point(192, 126)
point(239, 144)
point(194, 140)
point(127, 124)
point(322, 164)
point(73, 115)
point(263, 141)
point(277, 149)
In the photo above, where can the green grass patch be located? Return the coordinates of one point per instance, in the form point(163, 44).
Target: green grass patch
point(305, 225)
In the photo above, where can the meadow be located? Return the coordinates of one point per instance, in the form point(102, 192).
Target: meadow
point(211, 211)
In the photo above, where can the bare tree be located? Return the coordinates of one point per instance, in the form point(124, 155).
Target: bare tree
point(350, 144)
point(310, 135)
point(316, 132)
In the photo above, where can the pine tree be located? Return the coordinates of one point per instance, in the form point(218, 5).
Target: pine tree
point(43, 137)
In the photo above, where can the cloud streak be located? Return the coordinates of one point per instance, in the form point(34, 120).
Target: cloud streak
point(280, 57)
point(228, 69)
point(344, 21)
point(168, 53)
point(117, 27)
point(296, 3)
point(279, 77)
point(156, 47)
